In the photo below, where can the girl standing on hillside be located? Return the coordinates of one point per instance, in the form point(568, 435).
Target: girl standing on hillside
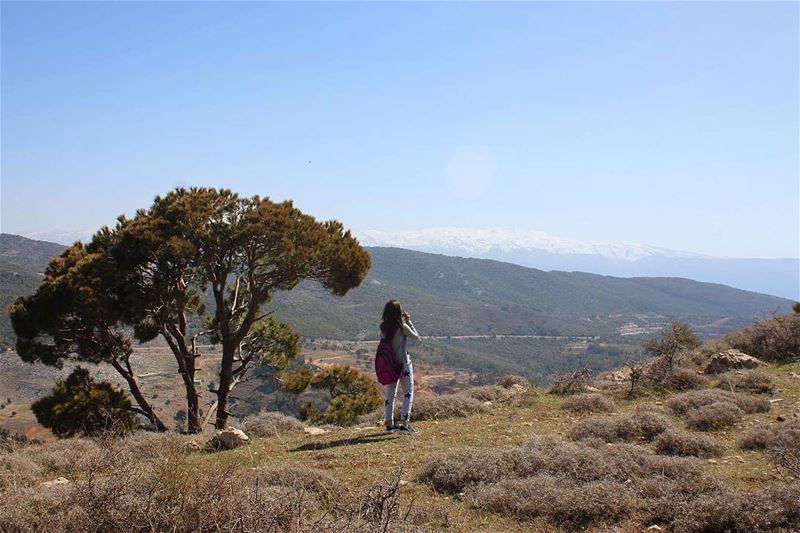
point(396, 327)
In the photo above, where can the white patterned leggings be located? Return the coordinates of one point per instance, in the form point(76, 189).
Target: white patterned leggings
point(406, 381)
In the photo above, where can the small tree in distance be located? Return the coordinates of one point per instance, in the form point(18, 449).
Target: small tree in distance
point(671, 342)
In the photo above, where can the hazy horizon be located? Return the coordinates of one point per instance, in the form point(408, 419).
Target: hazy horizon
point(673, 125)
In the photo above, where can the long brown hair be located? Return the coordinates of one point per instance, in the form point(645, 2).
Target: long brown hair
point(390, 321)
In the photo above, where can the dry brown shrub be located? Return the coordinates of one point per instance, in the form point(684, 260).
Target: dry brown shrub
point(638, 426)
point(18, 471)
point(775, 340)
point(487, 393)
point(780, 441)
point(756, 438)
point(66, 457)
point(752, 381)
point(269, 423)
point(446, 406)
point(452, 471)
point(572, 383)
point(588, 403)
point(509, 380)
point(718, 415)
point(299, 477)
point(557, 499)
point(682, 403)
point(128, 490)
point(677, 442)
point(682, 378)
point(776, 508)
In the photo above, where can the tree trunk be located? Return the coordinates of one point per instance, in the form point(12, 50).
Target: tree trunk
point(136, 392)
point(192, 398)
point(225, 380)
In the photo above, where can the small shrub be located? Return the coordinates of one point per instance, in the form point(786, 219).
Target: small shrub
point(79, 405)
point(774, 509)
point(752, 381)
point(488, 393)
point(17, 471)
point(446, 406)
point(556, 499)
point(297, 476)
point(269, 423)
point(676, 442)
point(780, 441)
point(573, 383)
point(637, 426)
point(509, 380)
point(756, 438)
point(588, 403)
point(718, 415)
point(682, 378)
point(687, 401)
point(776, 340)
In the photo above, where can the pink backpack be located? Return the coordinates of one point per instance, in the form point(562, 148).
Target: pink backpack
point(387, 368)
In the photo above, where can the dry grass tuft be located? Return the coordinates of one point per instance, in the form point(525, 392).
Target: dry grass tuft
point(677, 442)
point(588, 403)
point(446, 406)
point(718, 415)
point(18, 471)
point(269, 423)
point(752, 381)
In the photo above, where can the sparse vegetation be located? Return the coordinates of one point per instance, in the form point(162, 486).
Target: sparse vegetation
point(678, 442)
point(588, 403)
point(644, 425)
point(572, 383)
point(780, 441)
point(268, 424)
point(446, 406)
point(718, 415)
point(775, 340)
point(750, 381)
point(687, 401)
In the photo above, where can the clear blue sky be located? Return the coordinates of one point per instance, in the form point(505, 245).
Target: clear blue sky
point(672, 124)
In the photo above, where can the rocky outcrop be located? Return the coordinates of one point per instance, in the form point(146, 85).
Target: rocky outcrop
point(731, 360)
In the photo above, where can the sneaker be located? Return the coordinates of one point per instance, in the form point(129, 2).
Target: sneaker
point(407, 429)
point(392, 429)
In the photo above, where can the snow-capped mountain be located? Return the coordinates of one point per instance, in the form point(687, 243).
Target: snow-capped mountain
point(480, 242)
point(537, 249)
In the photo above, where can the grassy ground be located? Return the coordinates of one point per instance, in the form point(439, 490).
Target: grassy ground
point(360, 456)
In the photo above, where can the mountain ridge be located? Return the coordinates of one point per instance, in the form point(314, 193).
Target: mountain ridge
point(779, 277)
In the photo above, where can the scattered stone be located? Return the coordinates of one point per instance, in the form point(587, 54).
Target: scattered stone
point(193, 446)
point(589, 388)
point(55, 482)
point(228, 439)
point(487, 403)
point(729, 360)
point(712, 461)
point(311, 430)
point(776, 400)
point(654, 528)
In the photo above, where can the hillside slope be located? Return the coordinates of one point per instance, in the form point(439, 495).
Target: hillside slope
point(460, 296)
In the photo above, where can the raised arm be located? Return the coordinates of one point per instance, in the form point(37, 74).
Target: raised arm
point(409, 330)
